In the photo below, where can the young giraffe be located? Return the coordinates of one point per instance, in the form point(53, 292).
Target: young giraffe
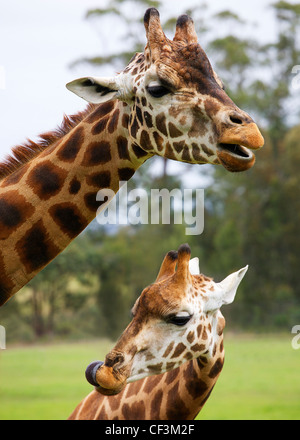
point(176, 334)
point(168, 102)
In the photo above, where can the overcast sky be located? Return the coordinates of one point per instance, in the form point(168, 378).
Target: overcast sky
point(39, 40)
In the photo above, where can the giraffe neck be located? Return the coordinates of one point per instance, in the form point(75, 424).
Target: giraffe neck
point(176, 395)
point(48, 201)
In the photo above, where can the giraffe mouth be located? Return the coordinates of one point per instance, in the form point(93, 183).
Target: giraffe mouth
point(235, 157)
point(104, 378)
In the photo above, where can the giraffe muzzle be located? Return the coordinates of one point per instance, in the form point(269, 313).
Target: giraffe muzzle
point(106, 379)
point(235, 145)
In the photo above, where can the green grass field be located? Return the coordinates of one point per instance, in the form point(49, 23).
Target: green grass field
point(260, 379)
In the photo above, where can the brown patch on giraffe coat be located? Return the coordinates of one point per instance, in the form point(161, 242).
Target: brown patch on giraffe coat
point(170, 365)
point(176, 409)
point(173, 130)
point(134, 128)
point(74, 186)
point(46, 179)
point(136, 411)
point(113, 122)
point(125, 120)
point(169, 153)
point(198, 347)
point(159, 141)
point(171, 376)
point(122, 145)
point(91, 202)
point(221, 347)
point(126, 411)
point(155, 405)
point(212, 106)
point(186, 155)
point(198, 128)
point(194, 385)
point(168, 350)
point(100, 126)
point(156, 368)
point(139, 113)
point(216, 368)
point(199, 330)
point(148, 119)
point(114, 402)
point(36, 248)
point(145, 141)
point(161, 123)
point(207, 150)
point(138, 151)
point(97, 153)
point(100, 111)
point(179, 146)
point(196, 151)
point(151, 383)
point(69, 149)
point(125, 173)
point(191, 336)
point(101, 179)
point(178, 350)
point(201, 361)
point(69, 218)
point(204, 334)
point(188, 356)
point(14, 210)
point(6, 284)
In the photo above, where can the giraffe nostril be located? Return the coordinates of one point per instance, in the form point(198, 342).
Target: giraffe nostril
point(114, 361)
point(236, 119)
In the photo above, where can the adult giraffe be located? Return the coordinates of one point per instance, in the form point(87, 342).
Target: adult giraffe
point(168, 359)
point(168, 101)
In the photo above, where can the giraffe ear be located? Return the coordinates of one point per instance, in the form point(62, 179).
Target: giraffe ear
point(168, 266)
point(224, 292)
point(95, 90)
point(194, 266)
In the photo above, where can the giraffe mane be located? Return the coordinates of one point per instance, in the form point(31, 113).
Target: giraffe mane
point(24, 153)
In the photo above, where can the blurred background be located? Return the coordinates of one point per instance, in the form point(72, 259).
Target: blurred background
point(250, 218)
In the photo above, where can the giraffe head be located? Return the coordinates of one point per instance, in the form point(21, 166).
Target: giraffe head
point(175, 319)
point(176, 103)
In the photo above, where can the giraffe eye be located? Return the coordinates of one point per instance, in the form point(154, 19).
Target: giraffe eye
point(157, 91)
point(179, 320)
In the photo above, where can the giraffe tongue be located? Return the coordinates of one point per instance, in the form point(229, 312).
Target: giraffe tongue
point(235, 157)
point(103, 379)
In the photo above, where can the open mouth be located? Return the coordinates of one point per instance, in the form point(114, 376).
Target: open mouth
point(235, 157)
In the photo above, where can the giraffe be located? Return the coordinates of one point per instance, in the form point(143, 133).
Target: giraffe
point(168, 359)
point(168, 101)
